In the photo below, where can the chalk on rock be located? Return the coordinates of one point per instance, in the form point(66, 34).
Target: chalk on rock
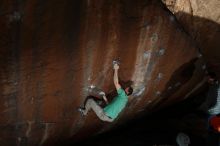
point(115, 62)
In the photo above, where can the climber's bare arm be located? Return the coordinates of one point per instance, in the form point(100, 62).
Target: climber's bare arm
point(117, 85)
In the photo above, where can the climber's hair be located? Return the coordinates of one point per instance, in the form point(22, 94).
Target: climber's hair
point(130, 91)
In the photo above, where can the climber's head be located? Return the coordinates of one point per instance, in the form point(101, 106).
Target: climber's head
point(128, 90)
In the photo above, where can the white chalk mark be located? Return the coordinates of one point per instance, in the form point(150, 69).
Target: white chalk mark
point(160, 76)
point(161, 52)
point(8, 109)
point(158, 93)
point(170, 87)
point(19, 140)
point(199, 55)
point(32, 100)
point(149, 101)
point(146, 54)
point(15, 16)
point(45, 136)
point(204, 67)
point(139, 92)
point(92, 86)
point(27, 134)
point(177, 84)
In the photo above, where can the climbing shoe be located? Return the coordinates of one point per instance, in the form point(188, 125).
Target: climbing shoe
point(81, 110)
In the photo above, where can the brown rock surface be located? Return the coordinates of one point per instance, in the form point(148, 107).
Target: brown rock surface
point(201, 19)
point(52, 51)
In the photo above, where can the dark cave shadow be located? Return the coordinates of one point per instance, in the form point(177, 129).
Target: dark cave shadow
point(179, 77)
point(206, 34)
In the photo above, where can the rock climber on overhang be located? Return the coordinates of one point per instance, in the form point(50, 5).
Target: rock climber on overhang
point(111, 111)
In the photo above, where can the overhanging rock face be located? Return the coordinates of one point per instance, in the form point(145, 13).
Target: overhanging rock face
point(200, 18)
point(52, 51)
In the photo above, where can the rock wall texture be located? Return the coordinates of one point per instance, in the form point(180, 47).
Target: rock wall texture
point(52, 51)
point(201, 19)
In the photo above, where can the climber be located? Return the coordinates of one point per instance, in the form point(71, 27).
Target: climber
point(110, 112)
